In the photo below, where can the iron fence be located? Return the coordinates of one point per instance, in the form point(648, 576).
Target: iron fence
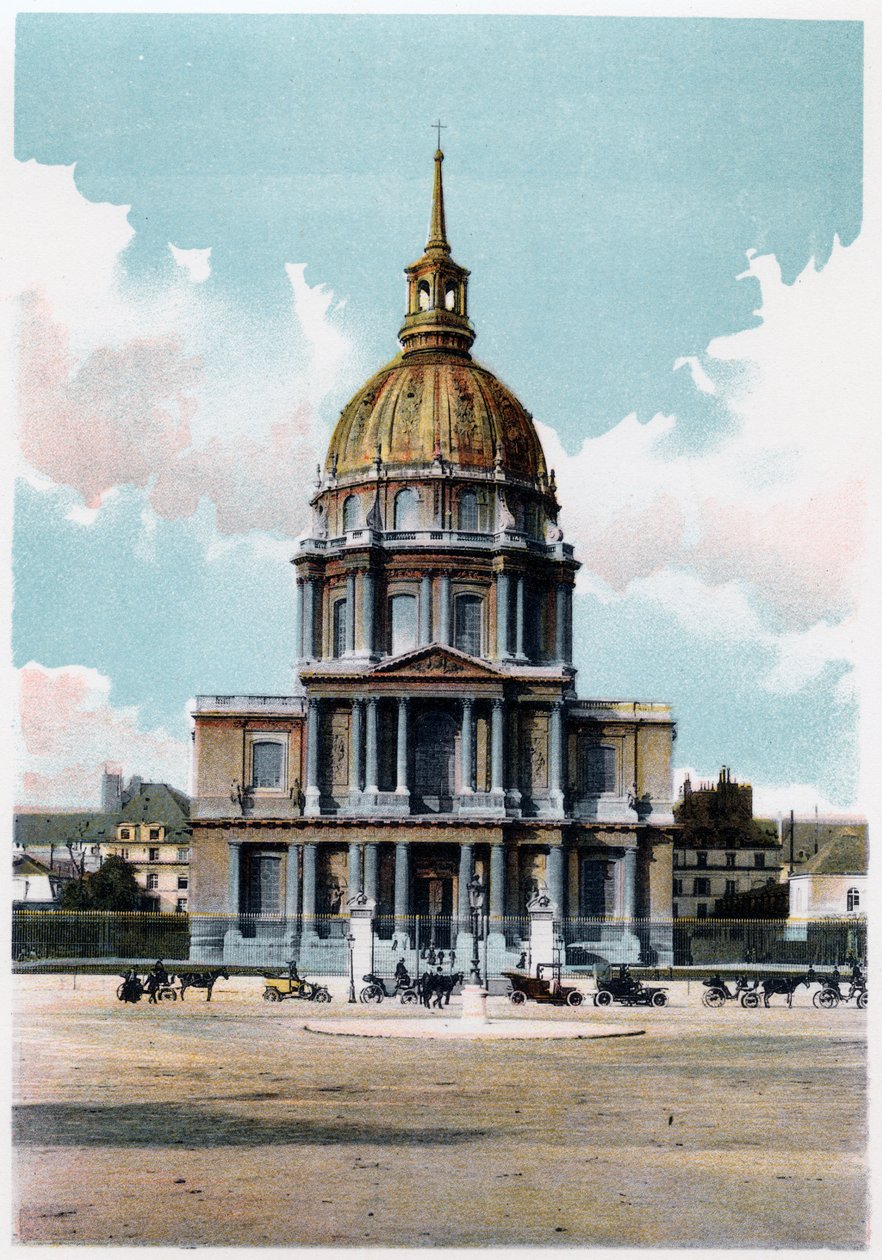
point(51, 939)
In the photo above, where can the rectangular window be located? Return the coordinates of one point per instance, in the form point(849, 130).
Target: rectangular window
point(124, 853)
point(730, 859)
point(339, 630)
point(183, 855)
point(183, 882)
point(701, 888)
point(701, 910)
point(675, 911)
point(701, 858)
point(154, 833)
point(678, 887)
point(599, 769)
point(153, 855)
point(759, 860)
point(267, 763)
point(181, 905)
point(152, 881)
point(467, 624)
point(731, 887)
point(125, 833)
point(402, 623)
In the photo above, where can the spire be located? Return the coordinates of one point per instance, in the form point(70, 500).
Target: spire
point(437, 231)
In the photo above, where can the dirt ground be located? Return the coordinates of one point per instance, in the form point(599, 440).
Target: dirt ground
point(227, 1124)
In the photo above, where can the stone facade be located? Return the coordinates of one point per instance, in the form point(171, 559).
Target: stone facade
point(435, 732)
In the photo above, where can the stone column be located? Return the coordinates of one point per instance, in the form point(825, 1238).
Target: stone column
point(560, 624)
point(370, 767)
point(497, 741)
point(354, 879)
point(401, 787)
point(425, 610)
point(300, 626)
point(627, 943)
point(292, 887)
point(350, 613)
point(466, 745)
point(555, 759)
point(519, 618)
point(309, 864)
point(444, 609)
point(629, 883)
point(312, 806)
point(497, 883)
point(554, 873)
point(502, 616)
point(234, 869)
point(513, 785)
point(465, 874)
point(371, 868)
point(402, 894)
point(357, 751)
point(367, 612)
point(309, 619)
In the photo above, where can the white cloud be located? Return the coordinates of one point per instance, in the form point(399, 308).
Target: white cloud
point(68, 729)
point(195, 263)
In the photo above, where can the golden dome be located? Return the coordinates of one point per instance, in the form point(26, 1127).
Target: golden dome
point(430, 405)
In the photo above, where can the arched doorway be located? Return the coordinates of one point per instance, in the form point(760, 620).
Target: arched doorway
point(434, 761)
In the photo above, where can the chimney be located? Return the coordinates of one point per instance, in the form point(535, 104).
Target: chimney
point(111, 790)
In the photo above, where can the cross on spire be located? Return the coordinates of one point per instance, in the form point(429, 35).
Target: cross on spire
point(439, 127)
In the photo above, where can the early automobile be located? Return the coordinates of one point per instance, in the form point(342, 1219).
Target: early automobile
point(292, 985)
point(545, 986)
point(626, 989)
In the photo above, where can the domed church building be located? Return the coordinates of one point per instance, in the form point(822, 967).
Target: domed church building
point(434, 735)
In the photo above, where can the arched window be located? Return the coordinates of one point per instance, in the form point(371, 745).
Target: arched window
point(853, 899)
point(266, 764)
point(402, 624)
point(351, 513)
point(424, 295)
point(339, 629)
point(407, 506)
point(468, 510)
point(450, 297)
point(467, 631)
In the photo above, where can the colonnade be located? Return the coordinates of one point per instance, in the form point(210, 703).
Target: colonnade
point(362, 633)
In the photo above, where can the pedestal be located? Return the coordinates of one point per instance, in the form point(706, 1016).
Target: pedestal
point(474, 1003)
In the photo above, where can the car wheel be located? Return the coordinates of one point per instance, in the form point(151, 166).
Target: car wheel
point(659, 999)
point(575, 998)
point(322, 995)
point(604, 998)
point(517, 998)
point(271, 995)
point(862, 1000)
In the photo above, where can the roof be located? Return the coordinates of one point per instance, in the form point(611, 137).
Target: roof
point(151, 803)
point(846, 854)
point(157, 803)
point(24, 864)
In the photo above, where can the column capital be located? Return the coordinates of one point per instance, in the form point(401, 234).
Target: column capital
point(498, 703)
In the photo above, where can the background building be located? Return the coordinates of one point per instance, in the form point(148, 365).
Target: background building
point(434, 733)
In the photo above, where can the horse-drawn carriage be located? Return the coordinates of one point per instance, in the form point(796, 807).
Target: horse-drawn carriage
point(546, 986)
point(289, 984)
point(625, 989)
point(159, 986)
point(830, 994)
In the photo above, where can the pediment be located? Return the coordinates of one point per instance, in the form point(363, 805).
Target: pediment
point(441, 663)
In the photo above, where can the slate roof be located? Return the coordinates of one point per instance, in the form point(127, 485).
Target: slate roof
point(846, 854)
point(153, 802)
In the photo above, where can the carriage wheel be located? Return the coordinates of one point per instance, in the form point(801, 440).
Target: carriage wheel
point(168, 995)
point(604, 998)
point(370, 993)
point(659, 999)
point(826, 999)
point(575, 998)
point(862, 1000)
point(322, 995)
point(119, 992)
point(408, 997)
point(750, 1000)
point(713, 997)
point(271, 995)
point(517, 998)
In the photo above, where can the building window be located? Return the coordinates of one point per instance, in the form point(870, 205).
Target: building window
point(468, 510)
point(151, 905)
point(183, 855)
point(675, 911)
point(125, 833)
point(402, 624)
point(407, 508)
point(183, 882)
point(759, 860)
point(339, 631)
point(467, 624)
point(678, 887)
point(153, 855)
point(852, 899)
point(701, 888)
point(154, 833)
point(730, 859)
point(450, 298)
point(701, 858)
point(701, 910)
point(123, 853)
point(731, 887)
point(152, 881)
point(181, 905)
point(351, 513)
point(267, 764)
point(424, 295)
point(599, 769)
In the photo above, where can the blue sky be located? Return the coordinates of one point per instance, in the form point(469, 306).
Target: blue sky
point(657, 215)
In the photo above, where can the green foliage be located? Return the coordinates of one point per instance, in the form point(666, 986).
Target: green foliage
point(112, 887)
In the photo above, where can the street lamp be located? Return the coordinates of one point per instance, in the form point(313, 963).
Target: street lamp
point(476, 906)
point(350, 941)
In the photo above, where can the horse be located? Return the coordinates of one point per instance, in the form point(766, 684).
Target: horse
point(203, 980)
point(437, 988)
point(785, 985)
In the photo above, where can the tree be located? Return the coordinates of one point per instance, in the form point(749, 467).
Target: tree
point(113, 887)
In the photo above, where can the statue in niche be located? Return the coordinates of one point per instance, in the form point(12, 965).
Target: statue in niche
point(553, 532)
point(319, 522)
point(338, 758)
point(504, 514)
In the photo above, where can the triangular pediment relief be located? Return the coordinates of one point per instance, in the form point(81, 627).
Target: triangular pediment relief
point(443, 663)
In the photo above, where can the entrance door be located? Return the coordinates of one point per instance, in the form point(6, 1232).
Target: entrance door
point(434, 761)
point(433, 904)
point(261, 893)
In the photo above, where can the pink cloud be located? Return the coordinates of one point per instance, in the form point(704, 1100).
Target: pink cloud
point(634, 544)
point(68, 731)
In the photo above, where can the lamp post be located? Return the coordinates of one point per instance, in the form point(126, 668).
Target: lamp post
point(350, 941)
point(476, 906)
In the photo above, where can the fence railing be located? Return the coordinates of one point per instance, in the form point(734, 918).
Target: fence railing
point(53, 939)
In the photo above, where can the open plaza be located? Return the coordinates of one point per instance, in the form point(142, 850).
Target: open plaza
point(229, 1123)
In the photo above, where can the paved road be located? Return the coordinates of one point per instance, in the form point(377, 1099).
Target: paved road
point(227, 1124)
